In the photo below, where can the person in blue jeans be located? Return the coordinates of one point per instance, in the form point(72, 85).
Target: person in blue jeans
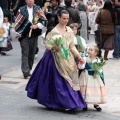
point(116, 53)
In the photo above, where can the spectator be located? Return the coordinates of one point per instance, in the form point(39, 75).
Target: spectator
point(29, 44)
point(74, 14)
point(116, 53)
point(107, 27)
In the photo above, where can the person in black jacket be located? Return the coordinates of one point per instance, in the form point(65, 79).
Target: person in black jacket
point(116, 53)
point(51, 14)
point(73, 14)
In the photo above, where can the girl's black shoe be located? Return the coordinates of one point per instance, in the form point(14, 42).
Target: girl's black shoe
point(97, 107)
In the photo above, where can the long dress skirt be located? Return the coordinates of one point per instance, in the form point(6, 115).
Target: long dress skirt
point(92, 89)
point(107, 42)
point(50, 88)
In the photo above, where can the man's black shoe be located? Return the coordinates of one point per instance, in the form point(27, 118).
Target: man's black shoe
point(26, 74)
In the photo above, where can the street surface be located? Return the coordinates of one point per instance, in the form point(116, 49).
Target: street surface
point(15, 105)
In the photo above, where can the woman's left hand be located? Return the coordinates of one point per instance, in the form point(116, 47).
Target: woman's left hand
point(81, 60)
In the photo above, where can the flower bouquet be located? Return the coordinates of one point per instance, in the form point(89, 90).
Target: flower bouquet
point(57, 40)
point(39, 14)
point(96, 66)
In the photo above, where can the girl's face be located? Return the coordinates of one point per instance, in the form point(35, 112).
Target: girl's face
point(91, 52)
point(63, 19)
point(74, 30)
point(5, 19)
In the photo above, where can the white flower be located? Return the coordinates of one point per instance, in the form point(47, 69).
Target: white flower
point(94, 61)
point(97, 60)
point(57, 36)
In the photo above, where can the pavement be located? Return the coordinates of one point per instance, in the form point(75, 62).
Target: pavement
point(15, 105)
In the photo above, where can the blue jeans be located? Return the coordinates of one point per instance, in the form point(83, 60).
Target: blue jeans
point(116, 53)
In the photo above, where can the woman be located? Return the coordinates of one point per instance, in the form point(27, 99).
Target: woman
point(6, 27)
point(91, 13)
point(107, 27)
point(99, 6)
point(54, 82)
point(82, 8)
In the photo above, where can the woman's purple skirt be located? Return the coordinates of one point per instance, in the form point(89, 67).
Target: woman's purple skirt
point(50, 88)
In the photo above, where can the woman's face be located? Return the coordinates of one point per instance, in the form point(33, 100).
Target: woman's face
point(63, 19)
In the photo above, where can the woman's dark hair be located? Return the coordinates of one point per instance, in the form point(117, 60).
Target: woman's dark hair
point(60, 12)
point(68, 3)
point(108, 6)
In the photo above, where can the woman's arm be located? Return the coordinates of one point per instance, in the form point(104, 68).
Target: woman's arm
point(74, 50)
point(76, 53)
point(48, 37)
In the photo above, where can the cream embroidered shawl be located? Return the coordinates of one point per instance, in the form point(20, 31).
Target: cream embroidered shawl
point(66, 68)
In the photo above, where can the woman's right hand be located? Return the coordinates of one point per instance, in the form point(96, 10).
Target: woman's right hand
point(56, 48)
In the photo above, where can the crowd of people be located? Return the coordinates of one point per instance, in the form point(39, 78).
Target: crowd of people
point(66, 73)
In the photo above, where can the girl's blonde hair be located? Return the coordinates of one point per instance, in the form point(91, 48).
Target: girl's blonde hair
point(96, 48)
point(73, 25)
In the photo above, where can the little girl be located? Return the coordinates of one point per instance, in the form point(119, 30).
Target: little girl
point(92, 87)
point(6, 27)
point(79, 42)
